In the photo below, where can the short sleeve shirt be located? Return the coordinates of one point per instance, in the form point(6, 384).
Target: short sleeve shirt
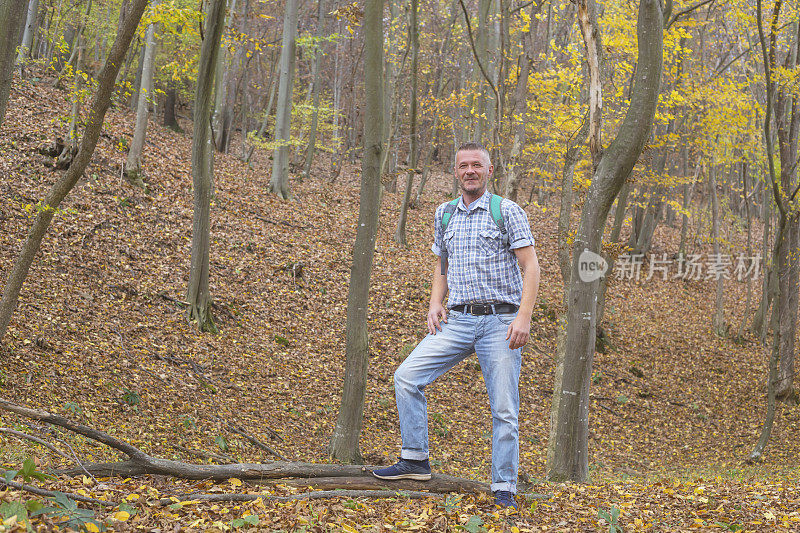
point(481, 268)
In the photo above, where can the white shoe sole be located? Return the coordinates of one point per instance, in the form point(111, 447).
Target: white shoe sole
point(416, 477)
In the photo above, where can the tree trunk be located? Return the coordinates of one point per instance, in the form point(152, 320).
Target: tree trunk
point(569, 436)
point(780, 237)
point(230, 83)
point(787, 126)
point(400, 233)
point(170, 103)
point(279, 182)
point(137, 81)
point(262, 129)
point(344, 443)
point(30, 30)
point(133, 165)
point(519, 108)
point(102, 99)
point(718, 320)
point(198, 294)
point(64, 159)
point(12, 18)
point(317, 86)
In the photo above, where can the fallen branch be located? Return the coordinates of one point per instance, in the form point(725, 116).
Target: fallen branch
point(331, 475)
point(222, 459)
point(52, 494)
point(255, 442)
point(314, 495)
point(438, 483)
point(37, 440)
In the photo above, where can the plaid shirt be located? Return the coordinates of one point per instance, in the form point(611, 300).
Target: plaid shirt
point(481, 269)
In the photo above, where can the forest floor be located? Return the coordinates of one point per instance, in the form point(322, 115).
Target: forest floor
point(99, 336)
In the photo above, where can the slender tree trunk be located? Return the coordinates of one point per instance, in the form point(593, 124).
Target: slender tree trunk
point(519, 114)
point(133, 165)
point(279, 182)
point(787, 122)
point(198, 294)
point(230, 83)
point(749, 250)
point(64, 159)
point(12, 17)
point(718, 321)
point(30, 30)
point(400, 233)
point(568, 454)
point(344, 443)
point(317, 86)
point(262, 129)
point(62, 187)
point(780, 237)
point(170, 103)
point(222, 73)
point(137, 81)
point(759, 318)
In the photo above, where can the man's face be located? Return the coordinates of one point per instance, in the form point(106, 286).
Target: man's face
point(473, 171)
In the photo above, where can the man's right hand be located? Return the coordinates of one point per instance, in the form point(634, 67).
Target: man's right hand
point(436, 313)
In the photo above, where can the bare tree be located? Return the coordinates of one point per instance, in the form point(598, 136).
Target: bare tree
point(279, 181)
point(413, 36)
point(94, 124)
point(30, 29)
point(198, 294)
point(133, 165)
point(344, 443)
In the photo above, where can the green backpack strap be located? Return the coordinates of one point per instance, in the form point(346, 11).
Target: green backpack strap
point(449, 209)
point(496, 211)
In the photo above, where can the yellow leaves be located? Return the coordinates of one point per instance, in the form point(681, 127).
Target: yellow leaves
point(132, 497)
point(122, 516)
point(91, 527)
point(349, 529)
point(235, 482)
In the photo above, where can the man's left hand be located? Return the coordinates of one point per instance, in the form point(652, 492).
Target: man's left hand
point(518, 332)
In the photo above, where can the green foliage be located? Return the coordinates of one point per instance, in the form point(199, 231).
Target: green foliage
point(439, 424)
point(221, 443)
point(130, 397)
point(73, 408)
point(20, 510)
point(474, 524)
point(68, 515)
point(28, 472)
point(249, 520)
point(611, 517)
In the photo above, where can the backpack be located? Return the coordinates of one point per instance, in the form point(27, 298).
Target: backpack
point(494, 210)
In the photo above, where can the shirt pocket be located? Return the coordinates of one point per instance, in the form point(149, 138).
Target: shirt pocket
point(448, 241)
point(490, 241)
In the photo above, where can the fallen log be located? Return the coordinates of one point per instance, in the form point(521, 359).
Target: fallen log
point(329, 476)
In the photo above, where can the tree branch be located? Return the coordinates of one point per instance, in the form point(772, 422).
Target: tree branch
point(315, 495)
point(52, 494)
point(475, 52)
point(685, 11)
point(37, 440)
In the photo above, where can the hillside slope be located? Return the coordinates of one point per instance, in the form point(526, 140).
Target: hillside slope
point(100, 335)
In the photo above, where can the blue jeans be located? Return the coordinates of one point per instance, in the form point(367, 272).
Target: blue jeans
point(435, 355)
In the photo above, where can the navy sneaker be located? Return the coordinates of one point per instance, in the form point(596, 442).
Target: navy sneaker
point(405, 469)
point(505, 499)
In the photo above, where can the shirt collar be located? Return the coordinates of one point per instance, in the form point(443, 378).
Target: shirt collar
point(480, 203)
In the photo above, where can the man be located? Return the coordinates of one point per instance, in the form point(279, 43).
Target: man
point(488, 311)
